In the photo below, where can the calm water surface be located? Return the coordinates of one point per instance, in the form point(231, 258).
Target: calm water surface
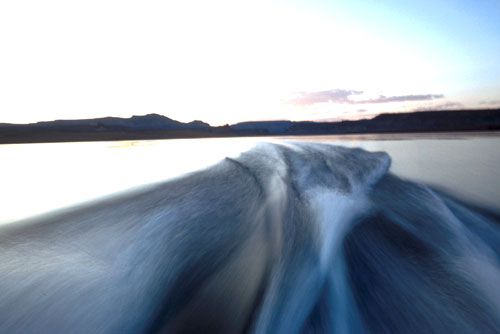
point(38, 178)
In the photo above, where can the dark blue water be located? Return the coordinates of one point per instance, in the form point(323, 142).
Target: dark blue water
point(289, 238)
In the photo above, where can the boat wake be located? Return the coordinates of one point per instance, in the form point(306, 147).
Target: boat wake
point(286, 238)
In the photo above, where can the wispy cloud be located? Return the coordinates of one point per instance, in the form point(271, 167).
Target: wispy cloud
point(401, 98)
point(489, 103)
point(343, 96)
point(333, 95)
point(442, 106)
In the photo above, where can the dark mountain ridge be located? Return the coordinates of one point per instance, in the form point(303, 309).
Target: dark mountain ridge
point(146, 122)
point(154, 126)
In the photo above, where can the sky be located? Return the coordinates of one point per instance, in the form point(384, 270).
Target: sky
point(230, 61)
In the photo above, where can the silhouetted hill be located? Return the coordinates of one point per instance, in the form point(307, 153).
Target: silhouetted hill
point(424, 121)
point(265, 126)
point(146, 122)
point(154, 126)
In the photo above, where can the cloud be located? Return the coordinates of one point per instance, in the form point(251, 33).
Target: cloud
point(489, 103)
point(333, 95)
point(342, 96)
point(443, 106)
point(401, 98)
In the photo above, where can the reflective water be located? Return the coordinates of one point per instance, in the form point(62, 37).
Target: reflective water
point(38, 178)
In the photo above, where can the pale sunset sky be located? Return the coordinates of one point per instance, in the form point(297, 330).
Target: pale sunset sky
point(231, 61)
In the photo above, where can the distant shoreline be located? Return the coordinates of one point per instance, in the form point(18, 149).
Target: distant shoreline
point(151, 127)
point(56, 138)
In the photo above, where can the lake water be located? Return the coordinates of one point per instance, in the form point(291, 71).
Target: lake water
point(282, 237)
point(37, 178)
